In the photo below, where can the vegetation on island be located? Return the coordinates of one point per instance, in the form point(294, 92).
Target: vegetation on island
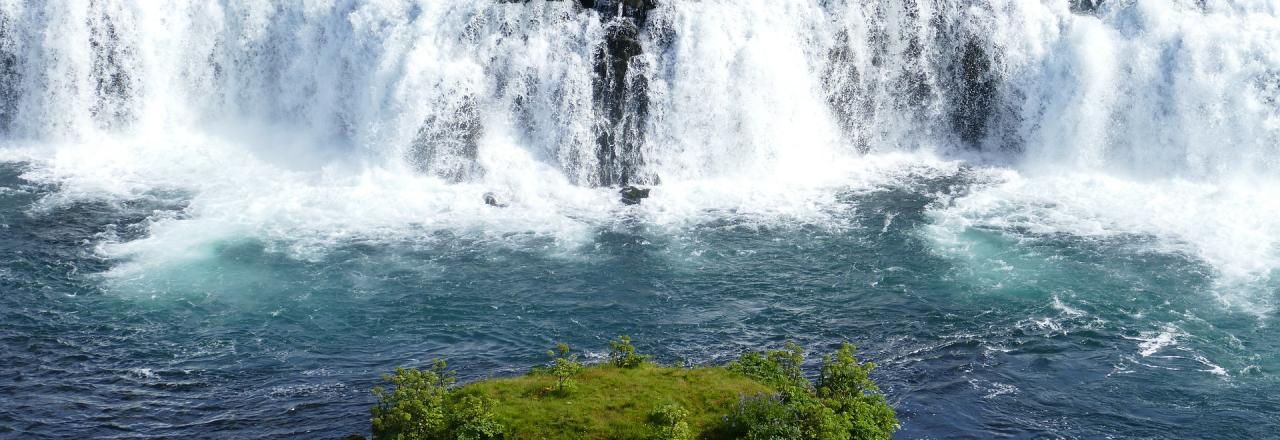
point(759, 396)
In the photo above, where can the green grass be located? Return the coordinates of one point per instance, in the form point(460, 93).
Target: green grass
point(760, 395)
point(611, 402)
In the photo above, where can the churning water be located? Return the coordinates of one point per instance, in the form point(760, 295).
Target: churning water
point(1041, 218)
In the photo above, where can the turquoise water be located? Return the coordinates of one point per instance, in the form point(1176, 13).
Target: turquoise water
point(991, 332)
point(1042, 219)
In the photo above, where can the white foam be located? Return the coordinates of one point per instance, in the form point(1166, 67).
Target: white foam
point(1234, 228)
point(1069, 311)
point(291, 125)
point(993, 389)
point(1153, 342)
point(1212, 367)
point(142, 373)
point(234, 193)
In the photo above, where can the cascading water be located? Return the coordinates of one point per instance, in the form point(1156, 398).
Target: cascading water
point(1160, 89)
point(1002, 142)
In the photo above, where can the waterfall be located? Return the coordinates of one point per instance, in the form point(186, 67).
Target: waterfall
point(613, 92)
point(282, 118)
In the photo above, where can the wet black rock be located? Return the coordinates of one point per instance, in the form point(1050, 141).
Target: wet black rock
point(1085, 6)
point(637, 10)
point(492, 200)
point(632, 195)
point(977, 98)
point(620, 91)
point(621, 100)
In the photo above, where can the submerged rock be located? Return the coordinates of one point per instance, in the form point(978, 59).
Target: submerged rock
point(492, 200)
point(632, 195)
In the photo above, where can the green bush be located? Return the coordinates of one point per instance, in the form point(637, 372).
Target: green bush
point(845, 404)
point(415, 407)
point(472, 419)
point(763, 418)
point(564, 367)
point(422, 405)
point(670, 422)
point(845, 386)
point(779, 368)
point(623, 355)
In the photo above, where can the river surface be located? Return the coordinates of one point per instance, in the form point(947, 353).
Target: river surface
point(980, 332)
point(1040, 218)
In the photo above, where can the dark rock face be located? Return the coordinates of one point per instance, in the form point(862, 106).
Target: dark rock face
point(844, 92)
point(10, 77)
point(621, 92)
point(913, 81)
point(621, 103)
point(1085, 6)
point(976, 98)
point(637, 10)
point(632, 195)
point(448, 142)
point(110, 75)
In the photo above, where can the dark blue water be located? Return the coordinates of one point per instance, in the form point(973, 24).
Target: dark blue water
point(1071, 338)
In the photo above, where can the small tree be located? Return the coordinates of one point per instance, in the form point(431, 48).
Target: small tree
point(564, 366)
point(845, 386)
point(423, 405)
point(623, 355)
point(845, 403)
point(415, 407)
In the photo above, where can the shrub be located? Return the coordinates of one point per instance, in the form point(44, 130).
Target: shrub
point(415, 407)
point(670, 422)
point(564, 366)
point(779, 368)
point(761, 418)
point(845, 386)
point(472, 419)
point(845, 404)
point(422, 405)
point(623, 355)
point(818, 421)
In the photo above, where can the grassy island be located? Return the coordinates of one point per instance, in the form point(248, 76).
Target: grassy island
point(759, 396)
point(612, 402)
